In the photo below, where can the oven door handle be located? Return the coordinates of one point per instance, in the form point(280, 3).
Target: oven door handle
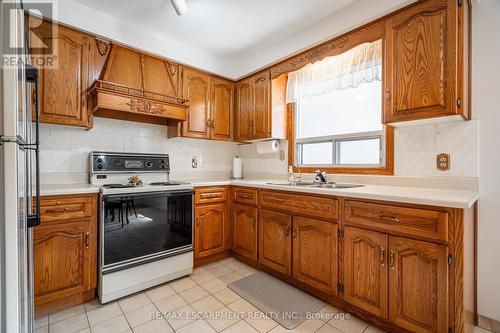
point(149, 194)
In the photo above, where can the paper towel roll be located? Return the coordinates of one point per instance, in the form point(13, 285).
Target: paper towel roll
point(237, 167)
point(267, 147)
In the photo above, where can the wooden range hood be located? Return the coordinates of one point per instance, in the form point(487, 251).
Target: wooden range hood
point(139, 87)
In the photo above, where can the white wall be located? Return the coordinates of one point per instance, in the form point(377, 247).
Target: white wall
point(485, 102)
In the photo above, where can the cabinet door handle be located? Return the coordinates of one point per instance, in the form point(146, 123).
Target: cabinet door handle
point(389, 218)
point(382, 256)
point(287, 230)
point(392, 259)
point(387, 95)
point(294, 232)
point(197, 221)
point(253, 222)
point(87, 239)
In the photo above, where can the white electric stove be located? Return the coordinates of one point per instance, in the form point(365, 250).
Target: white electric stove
point(145, 228)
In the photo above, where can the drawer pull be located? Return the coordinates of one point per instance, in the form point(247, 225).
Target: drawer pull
point(57, 210)
point(210, 195)
point(389, 218)
point(87, 239)
point(392, 259)
point(244, 196)
point(382, 256)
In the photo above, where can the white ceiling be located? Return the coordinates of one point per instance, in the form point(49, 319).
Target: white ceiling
point(231, 38)
point(223, 28)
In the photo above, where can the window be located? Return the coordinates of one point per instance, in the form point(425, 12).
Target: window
point(341, 128)
point(338, 111)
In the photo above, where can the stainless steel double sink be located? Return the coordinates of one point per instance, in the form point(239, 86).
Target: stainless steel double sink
point(329, 185)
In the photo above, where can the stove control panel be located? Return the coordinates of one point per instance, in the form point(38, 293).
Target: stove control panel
point(104, 162)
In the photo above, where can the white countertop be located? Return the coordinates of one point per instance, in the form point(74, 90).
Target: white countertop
point(453, 198)
point(66, 189)
point(416, 195)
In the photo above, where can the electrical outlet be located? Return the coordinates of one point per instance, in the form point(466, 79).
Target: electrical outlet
point(443, 161)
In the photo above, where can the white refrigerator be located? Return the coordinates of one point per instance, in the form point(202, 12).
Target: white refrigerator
point(19, 179)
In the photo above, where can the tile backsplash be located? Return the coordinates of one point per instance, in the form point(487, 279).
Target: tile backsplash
point(416, 147)
point(66, 149)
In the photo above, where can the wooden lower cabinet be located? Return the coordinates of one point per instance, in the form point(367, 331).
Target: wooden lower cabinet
point(64, 253)
point(61, 261)
point(275, 241)
point(418, 285)
point(211, 226)
point(245, 231)
point(315, 258)
point(365, 270)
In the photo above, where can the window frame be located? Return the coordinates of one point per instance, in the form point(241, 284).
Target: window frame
point(387, 158)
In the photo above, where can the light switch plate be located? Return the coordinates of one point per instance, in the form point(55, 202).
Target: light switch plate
point(443, 162)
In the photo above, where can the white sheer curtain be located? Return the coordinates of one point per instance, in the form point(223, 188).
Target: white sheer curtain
point(347, 70)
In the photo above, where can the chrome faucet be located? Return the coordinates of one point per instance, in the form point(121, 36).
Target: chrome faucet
point(320, 176)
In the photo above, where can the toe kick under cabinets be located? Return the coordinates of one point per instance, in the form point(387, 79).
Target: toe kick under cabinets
point(403, 267)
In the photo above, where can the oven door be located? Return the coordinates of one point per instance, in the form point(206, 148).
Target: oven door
point(143, 227)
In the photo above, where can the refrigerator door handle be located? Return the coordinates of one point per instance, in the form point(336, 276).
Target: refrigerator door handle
point(34, 217)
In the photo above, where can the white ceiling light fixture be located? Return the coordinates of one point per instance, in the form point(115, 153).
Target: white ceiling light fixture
point(180, 6)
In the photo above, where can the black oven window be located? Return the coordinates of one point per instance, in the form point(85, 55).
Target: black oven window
point(140, 225)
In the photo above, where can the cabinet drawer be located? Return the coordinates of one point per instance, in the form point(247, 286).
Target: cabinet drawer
point(245, 195)
point(210, 194)
point(301, 204)
point(54, 209)
point(402, 220)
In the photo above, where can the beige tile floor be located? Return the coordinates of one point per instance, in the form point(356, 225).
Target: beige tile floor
point(205, 291)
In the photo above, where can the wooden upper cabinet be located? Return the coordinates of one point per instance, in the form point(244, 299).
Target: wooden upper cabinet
point(260, 107)
point(63, 90)
point(245, 231)
point(315, 259)
point(365, 270)
point(244, 110)
point(196, 89)
point(261, 125)
point(424, 62)
point(221, 115)
point(275, 241)
point(210, 230)
point(418, 285)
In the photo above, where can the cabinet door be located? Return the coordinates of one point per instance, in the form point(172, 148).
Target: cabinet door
point(420, 62)
point(262, 106)
point(245, 231)
point(418, 285)
point(211, 230)
point(365, 270)
point(244, 110)
point(222, 110)
point(315, 253)
point(275, 242)
point(61, 259)
point(63, 90)
point(196, 88)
